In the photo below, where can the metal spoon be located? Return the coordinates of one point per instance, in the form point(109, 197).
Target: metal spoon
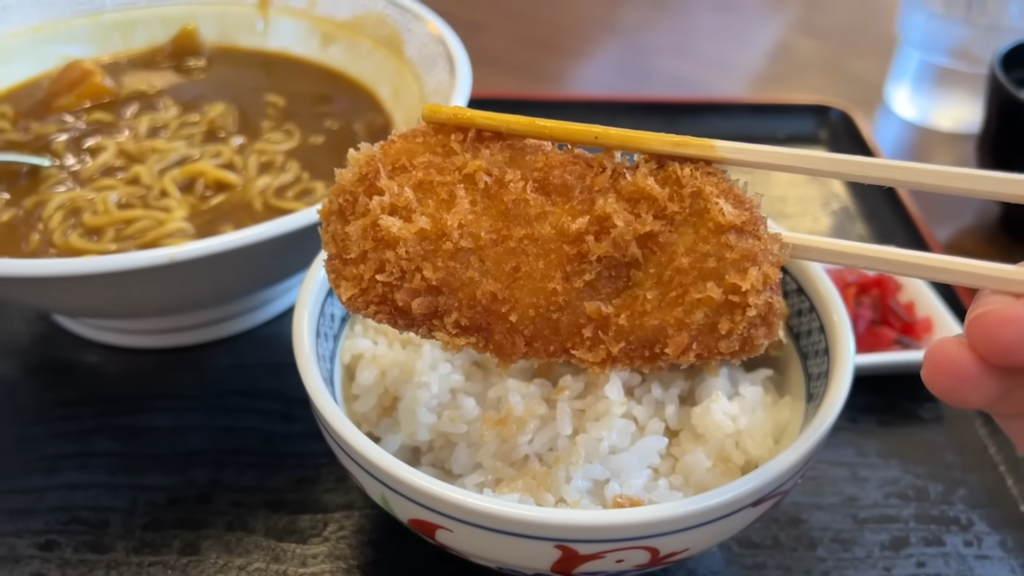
point(16, 158)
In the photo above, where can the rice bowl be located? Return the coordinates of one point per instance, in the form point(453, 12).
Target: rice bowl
point(506, 532)
point(557, 436)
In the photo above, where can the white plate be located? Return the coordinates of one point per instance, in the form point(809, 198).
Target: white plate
point(928, 303)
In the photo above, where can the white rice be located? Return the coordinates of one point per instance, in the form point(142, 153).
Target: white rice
point(555, 435)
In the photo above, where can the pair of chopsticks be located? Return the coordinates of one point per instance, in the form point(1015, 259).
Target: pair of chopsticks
point(970, 183)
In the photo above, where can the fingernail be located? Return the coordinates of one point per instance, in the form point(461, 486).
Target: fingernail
point(988, 301)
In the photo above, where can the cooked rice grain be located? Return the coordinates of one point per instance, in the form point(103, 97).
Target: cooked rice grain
point(557, 436)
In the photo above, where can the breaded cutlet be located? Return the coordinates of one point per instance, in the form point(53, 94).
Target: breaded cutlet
point(528, 251)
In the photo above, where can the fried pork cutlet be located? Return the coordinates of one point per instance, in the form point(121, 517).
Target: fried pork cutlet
point(525, 251)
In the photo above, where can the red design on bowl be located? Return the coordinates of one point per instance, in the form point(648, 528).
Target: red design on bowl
point(572, 562)
point(429, 530)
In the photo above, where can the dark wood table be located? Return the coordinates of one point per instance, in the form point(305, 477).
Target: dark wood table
point(208, 462)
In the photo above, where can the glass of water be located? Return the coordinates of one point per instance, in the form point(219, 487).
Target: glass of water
point(937, 75)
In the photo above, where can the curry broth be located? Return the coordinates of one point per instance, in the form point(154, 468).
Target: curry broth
point(333, 113)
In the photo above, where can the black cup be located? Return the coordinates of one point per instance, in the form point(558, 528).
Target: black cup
point(1001, 143)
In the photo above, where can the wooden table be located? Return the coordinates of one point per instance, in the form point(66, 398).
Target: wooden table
point(821, 49)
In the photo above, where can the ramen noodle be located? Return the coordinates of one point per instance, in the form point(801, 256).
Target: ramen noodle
point(177, 143)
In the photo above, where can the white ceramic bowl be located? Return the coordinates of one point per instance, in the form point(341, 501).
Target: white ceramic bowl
point(220, 286)
point(520, 539)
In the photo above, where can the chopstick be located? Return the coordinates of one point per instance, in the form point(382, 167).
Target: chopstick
point(929, 266)
point(965, 182)
point(897, 261)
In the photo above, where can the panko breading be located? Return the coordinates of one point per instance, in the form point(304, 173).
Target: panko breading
point(526, 251)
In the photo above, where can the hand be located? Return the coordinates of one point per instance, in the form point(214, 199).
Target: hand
point(983, 369)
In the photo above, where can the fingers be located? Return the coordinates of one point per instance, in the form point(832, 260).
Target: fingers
point(995, 329)
point(984, 369)
point(959, 376)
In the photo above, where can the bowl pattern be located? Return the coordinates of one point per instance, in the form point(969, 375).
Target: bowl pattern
point(524, 552)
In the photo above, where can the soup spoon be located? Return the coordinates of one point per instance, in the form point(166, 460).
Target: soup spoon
point(17, 158)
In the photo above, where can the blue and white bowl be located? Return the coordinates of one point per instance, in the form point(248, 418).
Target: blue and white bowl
point(520, 539)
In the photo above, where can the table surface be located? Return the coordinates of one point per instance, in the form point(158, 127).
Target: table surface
point(211, 464)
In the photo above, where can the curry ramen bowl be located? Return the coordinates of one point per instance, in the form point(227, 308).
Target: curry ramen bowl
point(545, 469)
point(191, 144)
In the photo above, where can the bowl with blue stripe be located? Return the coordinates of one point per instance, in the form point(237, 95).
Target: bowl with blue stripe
point(521, 539)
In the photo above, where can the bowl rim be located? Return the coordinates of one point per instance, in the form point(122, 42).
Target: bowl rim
point(812, 279)
point(154, 257)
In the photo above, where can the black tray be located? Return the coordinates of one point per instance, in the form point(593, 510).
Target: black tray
point(207, 460)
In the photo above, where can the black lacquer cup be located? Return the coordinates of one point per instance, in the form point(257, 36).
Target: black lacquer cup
point(1001, 143)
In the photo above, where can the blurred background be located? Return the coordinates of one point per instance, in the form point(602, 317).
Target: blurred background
point(834, 50)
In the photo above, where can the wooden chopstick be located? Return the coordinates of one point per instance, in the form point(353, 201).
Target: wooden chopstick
point(909, 263)
point(929, 266)
point(966, 182)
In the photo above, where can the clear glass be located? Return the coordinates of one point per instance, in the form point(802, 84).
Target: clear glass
point(945, 47)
